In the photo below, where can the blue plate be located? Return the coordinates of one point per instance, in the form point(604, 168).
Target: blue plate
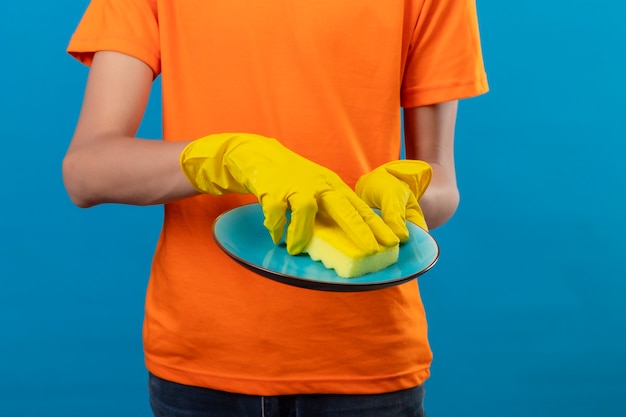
point(241, 234)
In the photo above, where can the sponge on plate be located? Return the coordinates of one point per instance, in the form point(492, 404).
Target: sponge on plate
point(332, 246)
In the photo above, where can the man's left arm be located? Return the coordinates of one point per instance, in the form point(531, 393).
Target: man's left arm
point(429, 136)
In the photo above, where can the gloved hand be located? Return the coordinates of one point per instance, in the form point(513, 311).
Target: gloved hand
point(281, 180)
point(395, 188)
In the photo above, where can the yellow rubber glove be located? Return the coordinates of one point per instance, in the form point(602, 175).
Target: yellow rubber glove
point(395, 188)
point(282, 180)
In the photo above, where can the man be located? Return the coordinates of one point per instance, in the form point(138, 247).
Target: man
point(327, 80)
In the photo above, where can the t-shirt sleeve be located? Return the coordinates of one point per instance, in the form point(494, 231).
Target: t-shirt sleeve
point(444, 61)
point(126, 26)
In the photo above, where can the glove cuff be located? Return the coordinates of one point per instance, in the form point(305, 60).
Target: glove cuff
point(415, 173)
point(203, 163)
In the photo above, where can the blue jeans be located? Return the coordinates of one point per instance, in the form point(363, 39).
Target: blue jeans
point(169, 399)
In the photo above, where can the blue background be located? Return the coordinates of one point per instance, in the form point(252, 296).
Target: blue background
point(526, 306)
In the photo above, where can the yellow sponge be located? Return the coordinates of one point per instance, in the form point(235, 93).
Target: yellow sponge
point(335, 250)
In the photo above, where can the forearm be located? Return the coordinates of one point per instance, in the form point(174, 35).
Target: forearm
point(429, 136)
point(125, 170)
point(441, 198)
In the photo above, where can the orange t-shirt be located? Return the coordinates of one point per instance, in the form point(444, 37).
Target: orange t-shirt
point(328, 79)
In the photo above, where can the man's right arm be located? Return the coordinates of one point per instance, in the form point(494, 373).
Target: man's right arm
point(105, 162)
